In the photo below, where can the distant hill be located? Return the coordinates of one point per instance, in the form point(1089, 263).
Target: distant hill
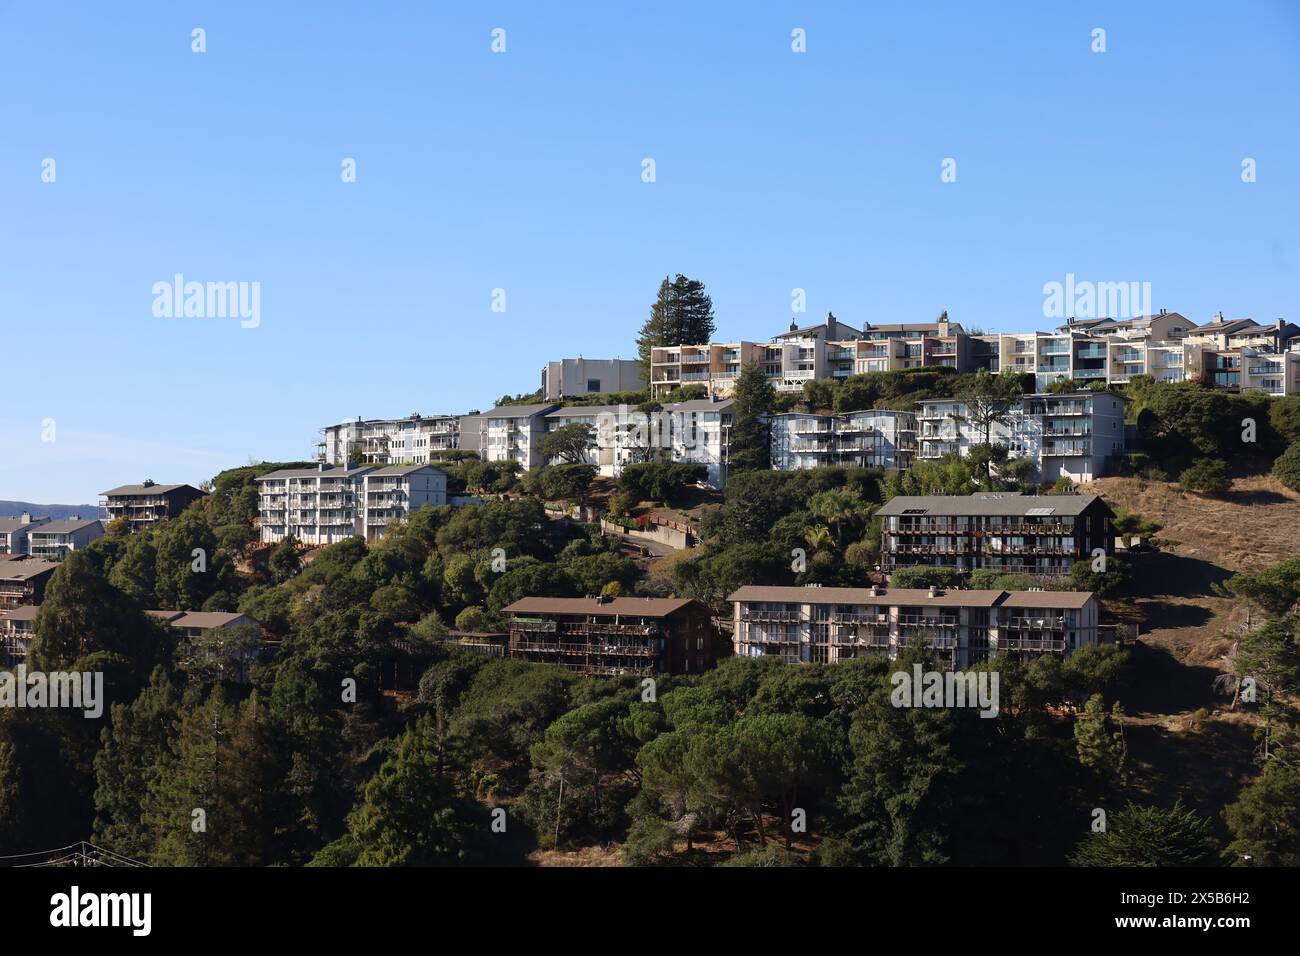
point(12, 509)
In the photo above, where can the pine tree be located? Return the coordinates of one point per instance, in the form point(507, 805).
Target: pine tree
point(751, 442)
point(1150, 836)
point(681, 315)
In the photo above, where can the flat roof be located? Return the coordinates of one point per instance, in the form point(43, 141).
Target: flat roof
point(519, 411)
point(315, 473)
point(901, 597)
point(993, 503)
point(620, 606)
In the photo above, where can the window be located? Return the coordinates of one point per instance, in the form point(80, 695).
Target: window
point(593, 385)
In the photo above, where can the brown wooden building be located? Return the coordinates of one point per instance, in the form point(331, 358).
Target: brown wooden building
point(610, 636)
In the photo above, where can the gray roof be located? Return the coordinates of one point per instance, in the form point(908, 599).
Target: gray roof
point(401, 470)
point(65, 526)
point(585, 411)
point(316, 472)
point(519, 411)
point(989, 503)
point(24, 612)
point(8, 525)
point(597, 607)
point(889, 597)
point(147, 489)
point(701, 405)
point(26, 570)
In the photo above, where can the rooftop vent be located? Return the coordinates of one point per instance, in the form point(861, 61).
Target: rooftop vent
point(148, 482)
point(934, 591)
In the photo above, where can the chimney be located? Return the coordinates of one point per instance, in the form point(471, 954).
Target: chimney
point(26, 518)
point(934, 591)
point(794, 326)
point(148, 483)
point(323, 466)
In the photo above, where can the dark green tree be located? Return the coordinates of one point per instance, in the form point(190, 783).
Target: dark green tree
point(751, 441)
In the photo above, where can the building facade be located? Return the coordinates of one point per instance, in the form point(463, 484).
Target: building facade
point(573, 377)
point(816, 624)
point(1070, 434)
point(1004, 531)
point(511, 433)
point(14, 533)
point(54, 540)
point(874, 438)
point(325, 505)
point(415, 439)
point(147, 503)
point(23, 582)
point(613, 636)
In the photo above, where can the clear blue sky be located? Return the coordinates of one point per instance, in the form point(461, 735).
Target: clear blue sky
point(522, 171)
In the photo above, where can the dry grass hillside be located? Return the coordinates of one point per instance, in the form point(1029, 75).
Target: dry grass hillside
point(1186, 630)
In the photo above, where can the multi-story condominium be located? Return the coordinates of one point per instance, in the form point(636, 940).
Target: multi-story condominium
point(572, 377)
point(1277, 373)
point(511, 433)
point(54, 540)
point(716, 366)
point(816, 624)
point(1069, 434)
point(14, 531)
point(873, 438)
point(1224, 334)
point(1162, 326)
point(1004, 531)
point(23, 582)
point(611, 636)
point(144, 504)
point(696, 432)
point(17, 629)
point(392, 494)
point(471, 433)
point(324, 505)
point(415, 439)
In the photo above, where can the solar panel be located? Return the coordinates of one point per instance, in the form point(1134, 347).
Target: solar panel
point(914, 511)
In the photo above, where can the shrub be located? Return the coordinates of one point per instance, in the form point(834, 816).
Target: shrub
point(923, 577)
point(1287, 467)
point(1206, 475)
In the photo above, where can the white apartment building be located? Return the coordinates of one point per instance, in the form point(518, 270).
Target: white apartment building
point(511, 433)
point(14, 532)
point(873, 438)
point(324, 505)
point(695, 432)
point(55, 539)
point(1065, 433)
point(580, 376)
point(414, 439)
point(814, 624)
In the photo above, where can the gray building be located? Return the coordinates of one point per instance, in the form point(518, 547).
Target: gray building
point(580, 376)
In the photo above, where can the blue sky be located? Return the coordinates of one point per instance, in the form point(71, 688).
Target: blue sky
point(522, 171)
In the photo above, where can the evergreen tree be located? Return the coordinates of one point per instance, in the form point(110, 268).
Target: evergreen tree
point(1150, 836)
point(681, 315)
point(1265, 820)
point(751, 442)
point(1099, 739)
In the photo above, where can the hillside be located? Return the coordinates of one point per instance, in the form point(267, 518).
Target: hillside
point(15, 508)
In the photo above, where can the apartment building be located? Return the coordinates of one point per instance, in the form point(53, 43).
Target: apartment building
point(1070, 434)
point(1004, 531)
point(814, 624)
point(147, 503)
point(194, 624)
point(55, 539)
point(511, 433)
point(873, 438)
point(415, 439)
point(17, 630)
point(23, 582)
point(14, 532)
point(612, 636)
point(391, 495)
point(324, 505)
point(700, 434)
point(573, 377)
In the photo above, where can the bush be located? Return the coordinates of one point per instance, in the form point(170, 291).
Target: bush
point(923, 577)
point(1207, 475)
point(1115, 579)
point(661, 481)
point(1064, 485)
point(1287, 467)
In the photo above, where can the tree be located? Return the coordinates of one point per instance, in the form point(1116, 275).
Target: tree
point(751, 441)
point(568, 444)
point(1284, 417)
point(1265, 820)
point(921, 576)
point(1099, 739)
point(1286, 468)
point(190, 569)
point(414, 811)
point(1207, 475)
point(1150, 836)
point(681, 315)
point(988, 401)
point(284, 562)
